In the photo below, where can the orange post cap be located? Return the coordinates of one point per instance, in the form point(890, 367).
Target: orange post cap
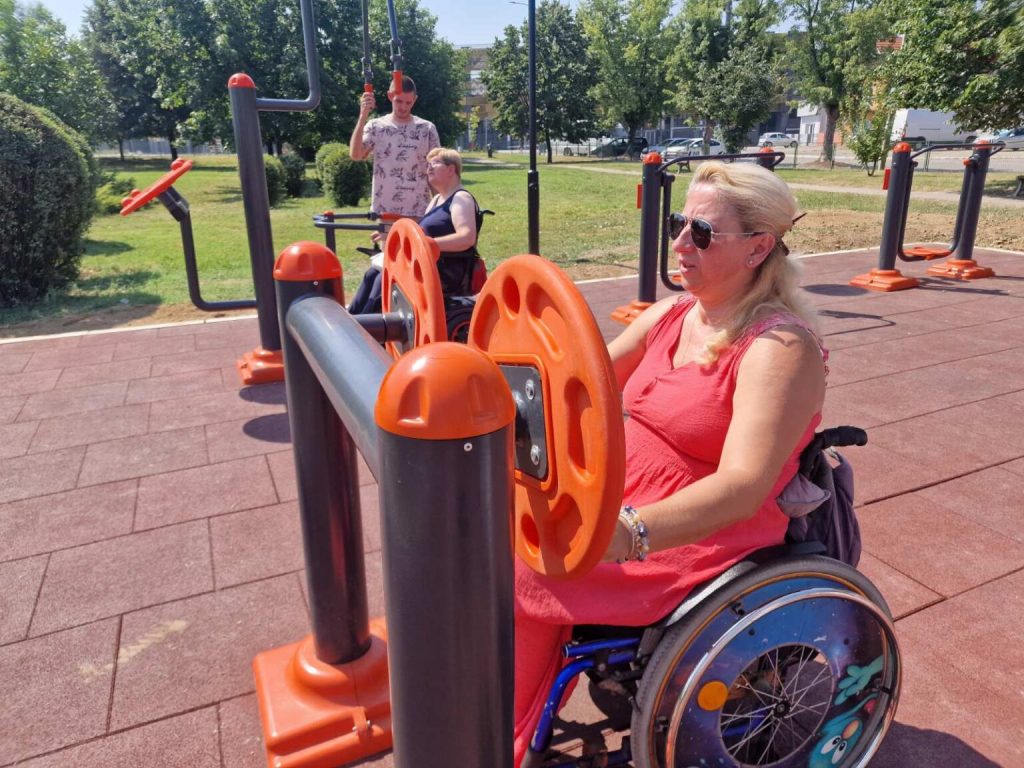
point(305, 261)
point(652, 158)
point(901, 148)
point(240, 80)
point(444, 391)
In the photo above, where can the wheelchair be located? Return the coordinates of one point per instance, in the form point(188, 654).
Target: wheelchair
point(463, 275)
point(788, 658)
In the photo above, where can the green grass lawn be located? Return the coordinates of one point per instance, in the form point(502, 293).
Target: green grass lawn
point(588, 218)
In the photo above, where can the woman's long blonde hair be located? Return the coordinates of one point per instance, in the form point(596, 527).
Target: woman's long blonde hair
point(763, 203)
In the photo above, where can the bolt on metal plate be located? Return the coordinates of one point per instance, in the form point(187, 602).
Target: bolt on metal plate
point(531, 442)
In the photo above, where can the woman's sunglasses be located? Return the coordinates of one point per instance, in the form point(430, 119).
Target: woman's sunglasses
point(700, 230)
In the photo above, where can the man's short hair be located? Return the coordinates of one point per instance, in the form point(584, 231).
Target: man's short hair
point(408, 85)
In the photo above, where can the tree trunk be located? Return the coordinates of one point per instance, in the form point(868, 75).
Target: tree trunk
point(171, 139)
point(828, 150)
point(547, 143)
point(120, 147)
point(709, 129)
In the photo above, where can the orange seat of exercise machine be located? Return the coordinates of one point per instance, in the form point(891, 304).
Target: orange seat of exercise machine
point(927, 252)
point(137, 199)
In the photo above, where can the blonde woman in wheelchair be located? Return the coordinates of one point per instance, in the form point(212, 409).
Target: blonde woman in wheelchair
point(723, 387)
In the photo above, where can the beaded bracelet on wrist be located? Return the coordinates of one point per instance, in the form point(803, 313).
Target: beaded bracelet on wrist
point(640, 544)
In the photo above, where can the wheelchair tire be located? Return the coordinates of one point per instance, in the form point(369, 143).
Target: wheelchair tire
point(458, 312)
point(794, 663)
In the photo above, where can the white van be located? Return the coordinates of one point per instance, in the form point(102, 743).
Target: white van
point(921, 126)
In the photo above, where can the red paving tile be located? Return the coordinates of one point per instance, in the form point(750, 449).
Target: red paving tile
point(240, 544)
point(101, 373)
point(204, 491)
point(205, 644)
point(187, 740)
point(963, 668)
point(63, 520)
point(91, 427)
point(110, 577)
point(19, 585)
point(64, 402)
point(211, 576)
point(62, 691)
point(249, 437)
point(177, 385)
point(205, 409)
point(28, 383)
point(15, 438)
point(143, 455)
point(38, 474)
point(910, 532)
point(10, 407)
point(57, 358)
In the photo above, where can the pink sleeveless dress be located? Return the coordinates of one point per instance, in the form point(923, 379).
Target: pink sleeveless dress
point(676, 423)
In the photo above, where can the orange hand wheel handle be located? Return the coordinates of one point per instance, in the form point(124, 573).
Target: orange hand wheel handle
point(137, 199)
point(570, 460)
point(412, 287)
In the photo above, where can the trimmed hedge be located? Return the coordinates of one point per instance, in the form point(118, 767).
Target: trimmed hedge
point(344, 180)
point(274, 170)
point(294, 173)
point(48, 179)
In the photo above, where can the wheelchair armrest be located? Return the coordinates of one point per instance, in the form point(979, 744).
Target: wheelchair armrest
point(368, 251)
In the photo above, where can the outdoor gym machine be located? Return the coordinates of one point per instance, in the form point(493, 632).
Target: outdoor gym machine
point(899, 179)
point(163, 190)
point(264, 364)
point(654, 199)
point(519, 432)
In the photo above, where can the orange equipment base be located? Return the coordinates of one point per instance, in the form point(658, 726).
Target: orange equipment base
point(884, 280)
point(961, 269)
point(319, 715)
point(627, 313)
point(927, 253)
point(261, 366)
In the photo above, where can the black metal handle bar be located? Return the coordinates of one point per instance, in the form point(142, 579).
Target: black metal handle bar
point(993, 148)
point(776, 156)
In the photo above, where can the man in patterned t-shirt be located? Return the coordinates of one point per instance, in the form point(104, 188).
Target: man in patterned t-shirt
point(399, 143)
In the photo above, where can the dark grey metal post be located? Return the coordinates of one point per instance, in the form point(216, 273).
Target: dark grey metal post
point(895, 219)
point(327, 479)
point(971, 207)
point(256, 203)
point(532, 177)
point(245, 120)
point(447, 552)
point(651, 216)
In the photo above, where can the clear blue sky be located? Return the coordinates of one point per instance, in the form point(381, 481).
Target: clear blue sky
point(462, 22)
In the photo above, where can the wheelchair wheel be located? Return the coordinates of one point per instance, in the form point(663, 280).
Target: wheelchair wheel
point(458, 312)
point(795, 663)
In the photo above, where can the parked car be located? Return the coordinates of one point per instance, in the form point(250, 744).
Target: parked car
point(619, 147)
point(696, 147)
point(777, 139)
point(1013, 138)
point(918, 127)
point(669, 149)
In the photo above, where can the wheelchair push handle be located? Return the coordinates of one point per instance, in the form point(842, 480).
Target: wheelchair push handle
point(839, 437)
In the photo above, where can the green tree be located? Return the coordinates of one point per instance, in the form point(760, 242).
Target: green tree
point(156, 57)
point(41, 65)
point(565, 109)
point(960, 56)
point(833, 52)
point(629, 44)
point(725, 65)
